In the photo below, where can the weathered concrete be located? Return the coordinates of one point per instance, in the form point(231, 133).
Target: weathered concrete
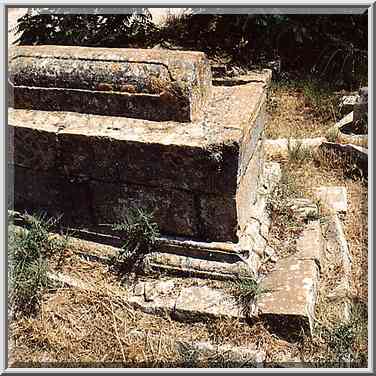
point(334, 198)
point(192, 176)
point(147, 84)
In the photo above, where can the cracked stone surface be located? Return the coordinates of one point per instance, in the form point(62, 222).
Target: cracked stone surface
point(183, 265)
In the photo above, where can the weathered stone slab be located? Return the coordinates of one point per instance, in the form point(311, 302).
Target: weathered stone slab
point(42, 191)
point(337, 287)
point(202, 302)
point(149, 84)
point(293, 286)
point(217, 218)
point(249, 184)
point(34, 148)
point(108, 156)
point(334, 198)
point(355, 139)
point(310, 244)
point(196, 267)
point(304, 208)
point(345, 121)
point(36, 191)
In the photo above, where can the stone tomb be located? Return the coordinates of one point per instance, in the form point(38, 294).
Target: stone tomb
point(94, 131)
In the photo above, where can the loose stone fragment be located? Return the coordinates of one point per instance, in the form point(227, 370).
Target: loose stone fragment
point(334, 198)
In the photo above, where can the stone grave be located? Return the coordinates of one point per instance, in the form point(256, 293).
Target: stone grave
point(95, 131)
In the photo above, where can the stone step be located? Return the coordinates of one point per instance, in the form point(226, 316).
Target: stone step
point(290, 295)
point(195, 267)
point(294, 282)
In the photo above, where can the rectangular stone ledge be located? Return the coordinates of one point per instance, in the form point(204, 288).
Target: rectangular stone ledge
point(292, 291)
point(195, 168)
point(198, 165)
point(205, 157)
point(196, 267)
point(149, 84)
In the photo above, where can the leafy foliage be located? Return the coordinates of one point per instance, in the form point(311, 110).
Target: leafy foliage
point(104, 30)
point(332, 46)
point(139, 233)
point(28, 251)
point(328, 46)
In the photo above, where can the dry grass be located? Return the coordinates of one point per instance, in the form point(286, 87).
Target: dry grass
point(323, 171)
point(289, 117)
point(292, 114)
point(79, 328)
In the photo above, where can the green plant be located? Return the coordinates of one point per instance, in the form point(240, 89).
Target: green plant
point(246, 291)
point(297, 152)
point(28, 251)
point(332, 134)
point(139, 232)
point(341, 342)
point(52, 26)
point(312, 215)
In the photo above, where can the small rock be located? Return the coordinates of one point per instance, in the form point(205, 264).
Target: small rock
point(347, 103)
point(304, 208)
point(270, 252)
point(139, 289)
point(150, 291)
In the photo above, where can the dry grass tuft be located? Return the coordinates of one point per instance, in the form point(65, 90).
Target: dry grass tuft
point(299, 110)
